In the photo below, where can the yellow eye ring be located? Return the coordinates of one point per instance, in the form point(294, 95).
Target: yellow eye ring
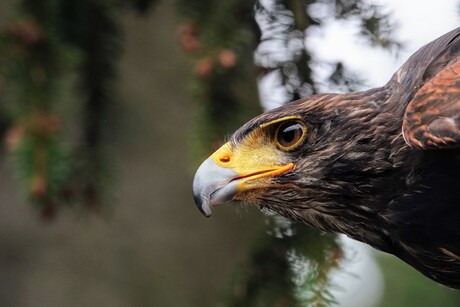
point(290, 134)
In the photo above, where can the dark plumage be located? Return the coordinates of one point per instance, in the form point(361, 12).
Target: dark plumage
point(381, 166)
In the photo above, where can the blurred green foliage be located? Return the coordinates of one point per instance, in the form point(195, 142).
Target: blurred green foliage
point(54, 54)
point(220, 39)
point(288, 267)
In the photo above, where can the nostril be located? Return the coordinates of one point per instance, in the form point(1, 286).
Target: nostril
point(224, 159)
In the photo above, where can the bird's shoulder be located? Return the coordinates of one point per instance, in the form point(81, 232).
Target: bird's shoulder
point(429, 85)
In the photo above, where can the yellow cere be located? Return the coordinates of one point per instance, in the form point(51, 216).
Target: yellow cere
point(255, 157)
point(249, 157)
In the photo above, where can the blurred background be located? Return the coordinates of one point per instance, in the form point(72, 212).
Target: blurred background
point(107, 107)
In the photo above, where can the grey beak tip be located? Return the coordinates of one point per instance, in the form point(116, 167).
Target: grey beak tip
point(199, 203)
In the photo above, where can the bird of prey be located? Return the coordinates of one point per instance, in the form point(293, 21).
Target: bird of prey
point(381, 166)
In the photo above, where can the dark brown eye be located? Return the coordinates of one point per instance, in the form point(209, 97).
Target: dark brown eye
point(290, 134)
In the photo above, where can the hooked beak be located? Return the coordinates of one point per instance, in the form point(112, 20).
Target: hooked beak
point(224, 174)
point(213, 185)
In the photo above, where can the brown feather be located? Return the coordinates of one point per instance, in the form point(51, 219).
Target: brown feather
point(432, 117)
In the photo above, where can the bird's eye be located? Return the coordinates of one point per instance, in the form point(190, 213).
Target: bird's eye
point(290, 134)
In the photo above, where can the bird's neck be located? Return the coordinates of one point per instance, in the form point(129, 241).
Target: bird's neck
point(366, 171)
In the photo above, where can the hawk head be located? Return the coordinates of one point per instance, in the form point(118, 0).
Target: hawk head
point(330, 160)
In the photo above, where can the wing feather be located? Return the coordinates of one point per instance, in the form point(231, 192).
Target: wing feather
point(432, 117)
